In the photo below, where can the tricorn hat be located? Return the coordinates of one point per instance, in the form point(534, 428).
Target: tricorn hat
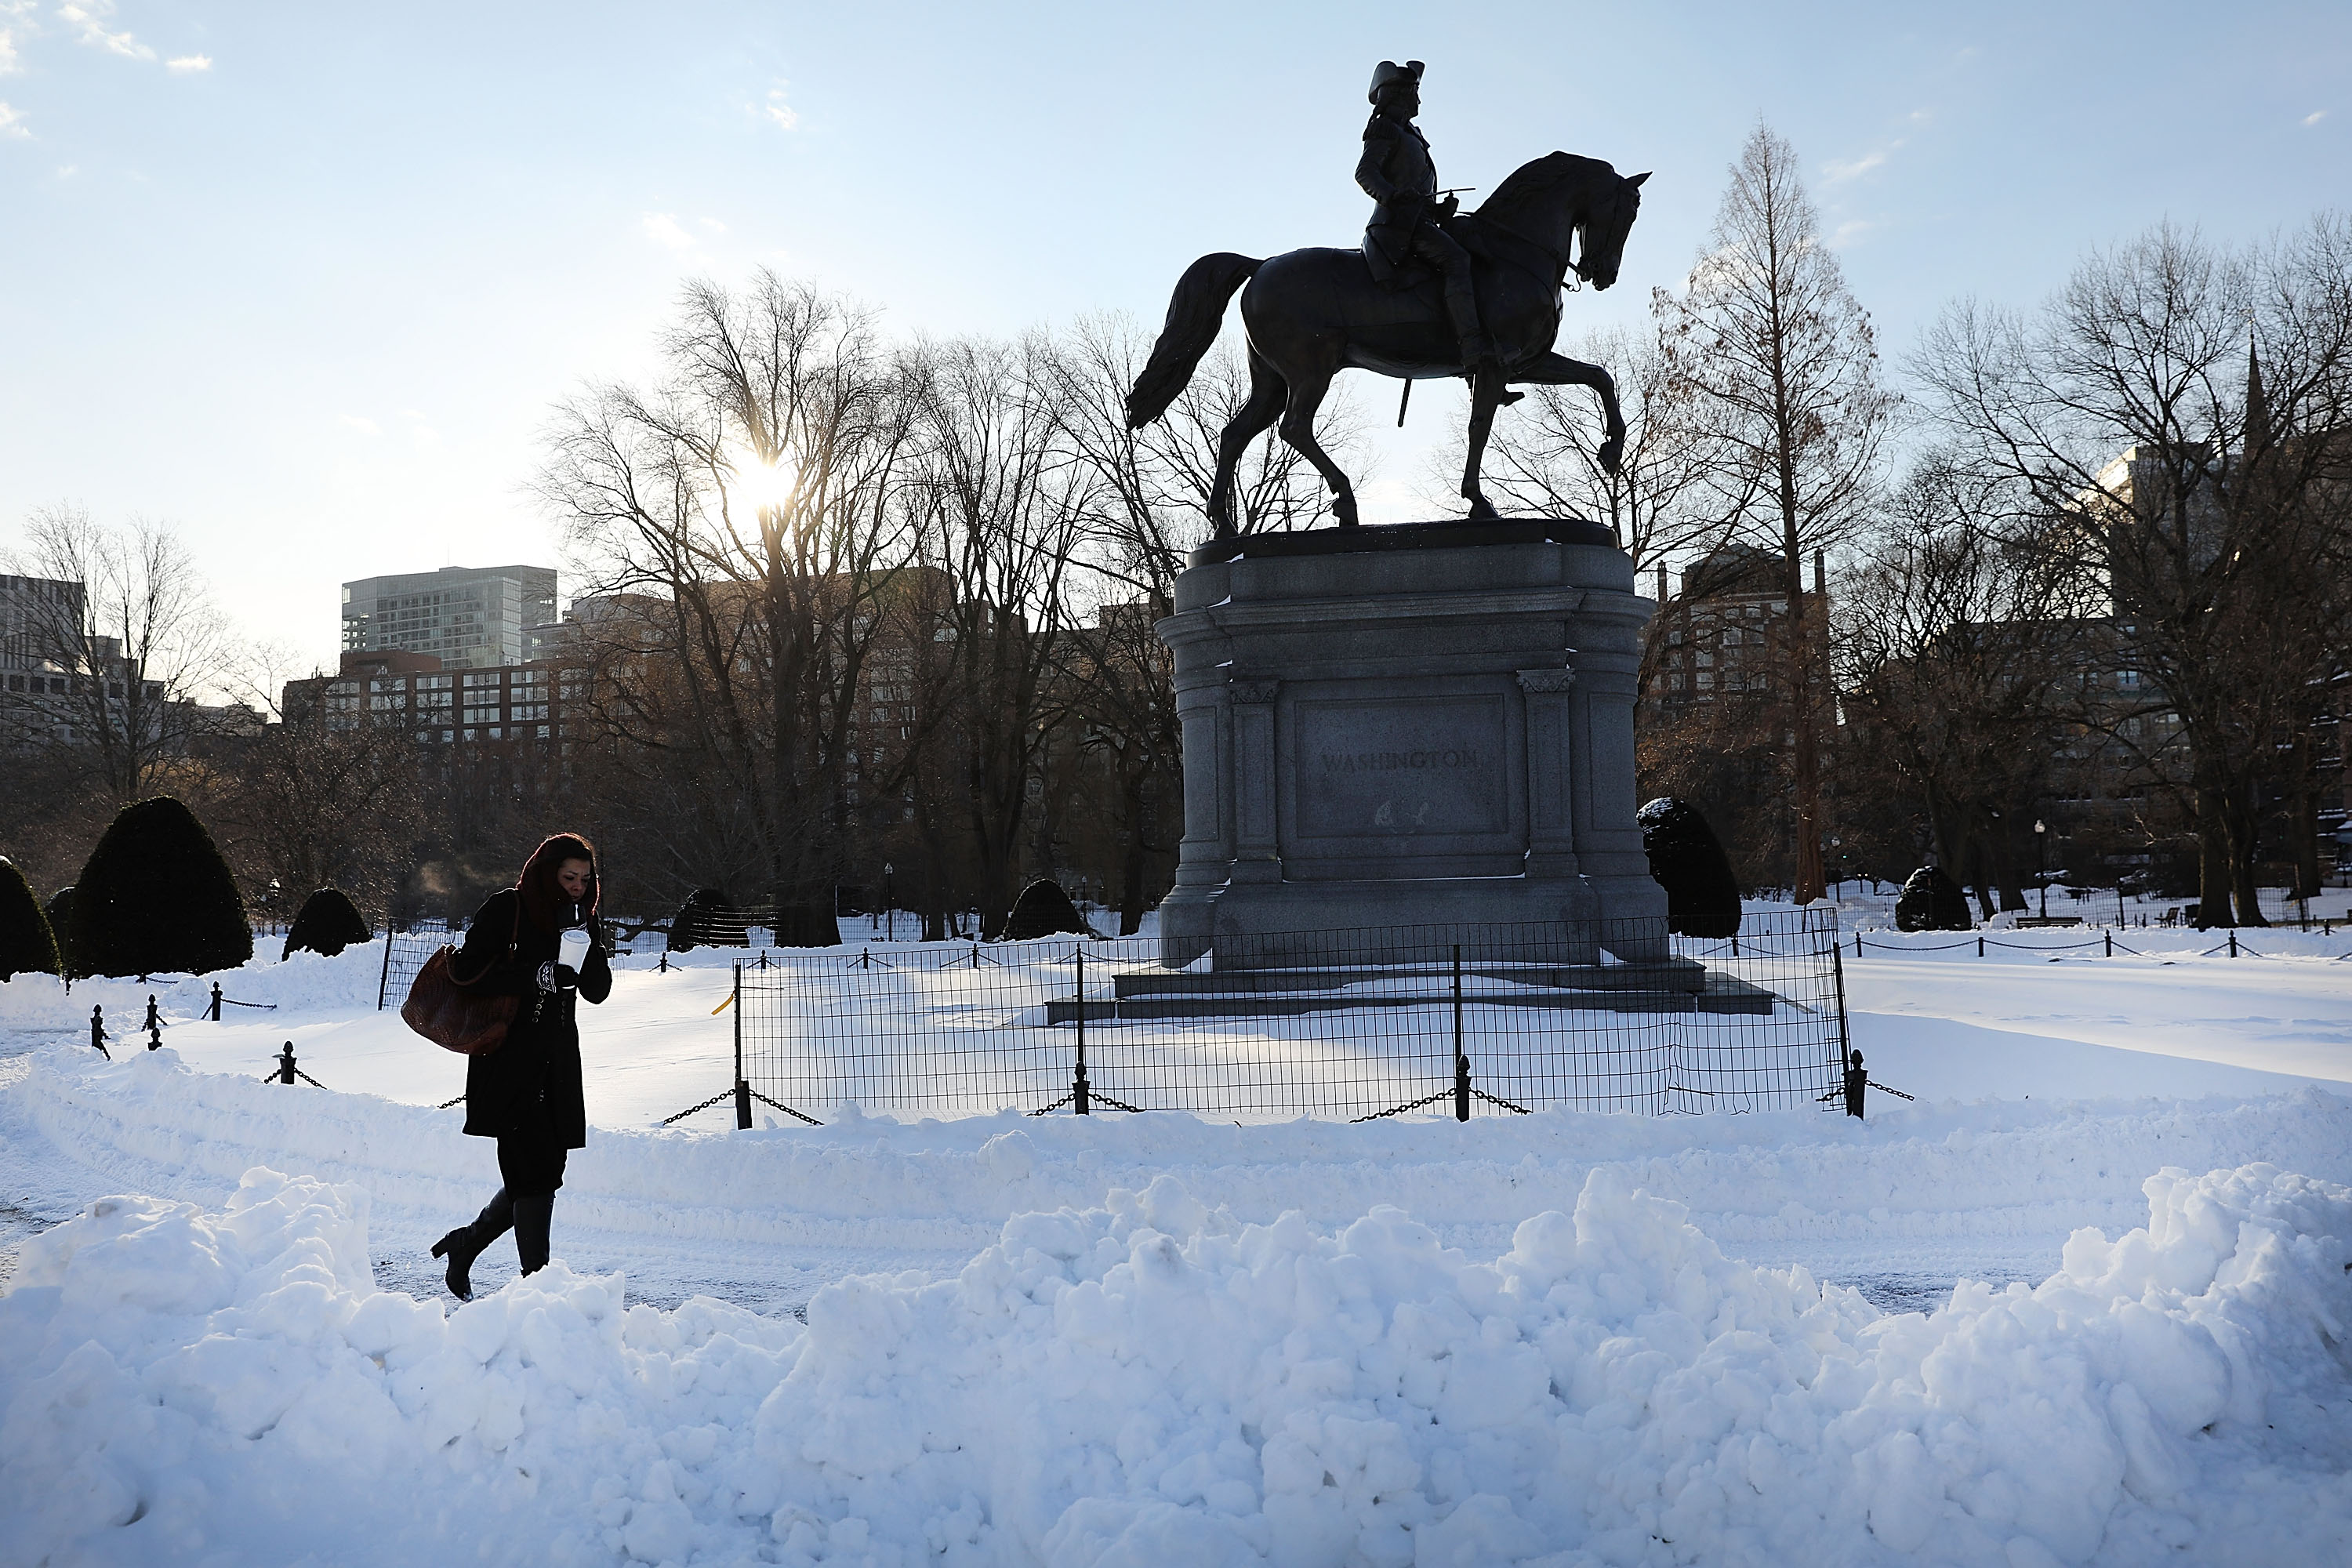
point(1387, 71)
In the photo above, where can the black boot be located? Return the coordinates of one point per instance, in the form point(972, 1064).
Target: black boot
point(468, 1242)
point(532, 1216)
point(461, 1250)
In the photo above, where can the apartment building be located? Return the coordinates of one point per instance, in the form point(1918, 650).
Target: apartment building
point(510, 704)
point(468, 617)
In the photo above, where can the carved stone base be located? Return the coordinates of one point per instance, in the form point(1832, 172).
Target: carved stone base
point(1409, 726)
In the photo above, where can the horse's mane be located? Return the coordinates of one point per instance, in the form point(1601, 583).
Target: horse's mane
point(1533, 181)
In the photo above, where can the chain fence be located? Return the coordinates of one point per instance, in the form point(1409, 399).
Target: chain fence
point(1457, 1020)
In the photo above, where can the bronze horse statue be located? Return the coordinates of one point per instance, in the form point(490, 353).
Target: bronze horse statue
point(1313, 314)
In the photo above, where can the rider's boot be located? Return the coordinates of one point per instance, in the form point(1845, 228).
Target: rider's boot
point(1479, 358)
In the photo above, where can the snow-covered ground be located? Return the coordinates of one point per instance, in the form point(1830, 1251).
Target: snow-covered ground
point(1563, 1338)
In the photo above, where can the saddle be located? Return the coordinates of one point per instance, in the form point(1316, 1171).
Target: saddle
point(1390, 273)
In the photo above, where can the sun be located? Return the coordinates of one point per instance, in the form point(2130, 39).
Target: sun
point(762, 485)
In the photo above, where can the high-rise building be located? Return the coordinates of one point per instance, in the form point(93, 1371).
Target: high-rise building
point(469, 617)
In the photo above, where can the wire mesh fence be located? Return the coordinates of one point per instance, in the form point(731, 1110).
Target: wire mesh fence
point(1456, 1020)
point(404, 952)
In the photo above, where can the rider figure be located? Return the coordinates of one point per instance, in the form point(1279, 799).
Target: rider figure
point(1398, 174)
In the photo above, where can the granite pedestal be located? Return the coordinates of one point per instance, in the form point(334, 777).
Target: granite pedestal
point(1411, 726)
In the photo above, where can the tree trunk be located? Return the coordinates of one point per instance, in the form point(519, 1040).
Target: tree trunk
point(1808, 873)
point(2213, 890)
point(2241, 825)
point(1130, 871)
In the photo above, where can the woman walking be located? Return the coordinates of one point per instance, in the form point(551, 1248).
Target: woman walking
point(527, 942)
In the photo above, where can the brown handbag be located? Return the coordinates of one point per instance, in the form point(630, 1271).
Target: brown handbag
point(454, 1017)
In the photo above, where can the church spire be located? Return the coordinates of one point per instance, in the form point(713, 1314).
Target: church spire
point(2258, 407)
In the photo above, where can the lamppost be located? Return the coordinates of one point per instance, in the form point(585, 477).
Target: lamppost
point(2042, 855)
point(890, 906)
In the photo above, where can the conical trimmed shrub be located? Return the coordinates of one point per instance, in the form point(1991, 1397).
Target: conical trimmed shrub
point(156, 898)
point(1044, 909)
point(1687, 860)
point(328, 923)
point(1931, 901)
point(28, 946)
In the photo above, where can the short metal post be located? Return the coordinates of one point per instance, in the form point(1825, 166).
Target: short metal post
point(2110, 935)
point(1857, 945)
point(742, 1084)
point(664, 965)
point(286, 1064)
point(1461, 1057)
point(1980, 947)
point(154, 1026)
point(215, 1013)
point(1078, 1081)
point(2233, 944)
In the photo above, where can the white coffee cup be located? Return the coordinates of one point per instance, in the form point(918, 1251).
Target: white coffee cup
point(572, 947)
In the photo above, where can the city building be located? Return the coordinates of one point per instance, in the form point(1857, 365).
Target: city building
point(1726, 635)
point(468, 617)
point(415, 691)
point(60, 681)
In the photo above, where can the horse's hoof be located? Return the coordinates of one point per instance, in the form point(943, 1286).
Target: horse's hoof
point(1482, 510)
point(1344, 509)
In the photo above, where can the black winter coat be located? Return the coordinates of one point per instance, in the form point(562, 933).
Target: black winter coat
point(538, 1064)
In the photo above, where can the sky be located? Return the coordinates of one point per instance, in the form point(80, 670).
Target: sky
point(304, 282)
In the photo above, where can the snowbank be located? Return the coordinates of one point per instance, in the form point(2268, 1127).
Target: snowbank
point(1152, 1382)
point(766, 1215)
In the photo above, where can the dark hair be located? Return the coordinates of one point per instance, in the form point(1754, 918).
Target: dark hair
point(544, 902)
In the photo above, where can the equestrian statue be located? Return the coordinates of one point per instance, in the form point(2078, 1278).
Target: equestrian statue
point(1432, 292)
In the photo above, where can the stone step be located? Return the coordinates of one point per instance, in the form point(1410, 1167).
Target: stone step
point(1719, 994)
point(1673, 975)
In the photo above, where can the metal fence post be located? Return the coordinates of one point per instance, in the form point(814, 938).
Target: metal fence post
point(1980, 947)
point(1837, 976)
point(1461, 1058)
point(2110, 935)
point(215, 1013)
point(384, 981)
point(742, 1085)
point(1078, 1081)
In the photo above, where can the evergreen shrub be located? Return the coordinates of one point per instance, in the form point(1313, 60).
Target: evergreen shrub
point(1687, 860)
point(156, 898)
point(328, 923)
point(1931, 901)
point(28, 946)
point(1044, 909)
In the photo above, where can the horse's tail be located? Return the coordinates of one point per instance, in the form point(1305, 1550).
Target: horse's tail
point(1194, 315)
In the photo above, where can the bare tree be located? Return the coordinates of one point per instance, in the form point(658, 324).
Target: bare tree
point(125, 648)
point(1768, 356)
point(316, 805)
point(1007, 511)
point(1962, 639)
point(2187, 411)
point(753, 504)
